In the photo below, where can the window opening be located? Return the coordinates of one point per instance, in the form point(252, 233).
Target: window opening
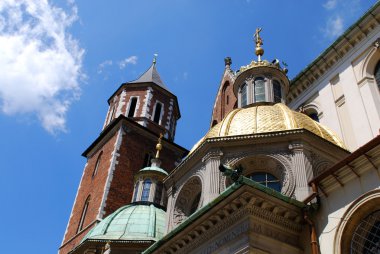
point(136, 191)
point(377, 74)
point(147, 160)
point(146, 189)
point(84, 211)
point(132, 107)
point(244, 95)
point(157, 113)
point(158, 195)
point(97, 164)
point(366, 238)
point(259, 89)
point(267, 180)
point(277, 91)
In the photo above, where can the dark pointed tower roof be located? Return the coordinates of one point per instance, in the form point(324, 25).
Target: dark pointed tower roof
point(150, 76)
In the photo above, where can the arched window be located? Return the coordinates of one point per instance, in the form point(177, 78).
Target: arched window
point(157, 113)
point(158, 195)
point(366, 238)
point(377, 74)
point(83, 216)
point(136, 191)
point(243, 95)
point(312, 113)
point(277, 95)
point(97, 164)
point(132, 107)
point(146, 189)
point(267, 180)
point(259, 89)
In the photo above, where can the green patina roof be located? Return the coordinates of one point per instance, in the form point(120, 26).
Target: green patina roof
point(131, 222)
point(153, 168)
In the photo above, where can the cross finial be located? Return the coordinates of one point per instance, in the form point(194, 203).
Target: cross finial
point(259, 41)
point(155, 58)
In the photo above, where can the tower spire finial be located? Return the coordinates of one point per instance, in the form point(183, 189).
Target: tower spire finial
point(155, 58)
point(259, 41)
point(159, 146)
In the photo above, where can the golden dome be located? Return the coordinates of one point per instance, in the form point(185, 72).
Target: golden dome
point(267, 118)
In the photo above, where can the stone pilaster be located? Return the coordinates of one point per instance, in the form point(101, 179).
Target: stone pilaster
point(300, 165)
point(212, 175)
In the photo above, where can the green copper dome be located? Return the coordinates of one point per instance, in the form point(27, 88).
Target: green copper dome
point(155, 169)
point(131, 222)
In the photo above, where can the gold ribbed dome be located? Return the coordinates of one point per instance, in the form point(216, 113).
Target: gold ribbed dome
point(267, 118)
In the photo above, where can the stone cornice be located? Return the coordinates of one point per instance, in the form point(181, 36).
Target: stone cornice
point(195, 156)
point(245, 203)
point(336, 52)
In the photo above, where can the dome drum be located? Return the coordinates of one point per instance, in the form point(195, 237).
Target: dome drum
point(264, 83)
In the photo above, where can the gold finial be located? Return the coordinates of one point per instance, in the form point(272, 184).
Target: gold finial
point(259, 41)
point(155, 58)
point(159, 146)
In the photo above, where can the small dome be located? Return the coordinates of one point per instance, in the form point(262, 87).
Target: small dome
point(154, 169)
point(131, 222)
point(267, 118)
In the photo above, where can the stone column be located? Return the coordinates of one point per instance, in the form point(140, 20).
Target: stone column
point(212, 175)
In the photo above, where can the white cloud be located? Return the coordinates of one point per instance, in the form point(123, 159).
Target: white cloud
point(40, 63)
point(104, 65)
point(334, 27)
point(330, 4)
point(126, 61)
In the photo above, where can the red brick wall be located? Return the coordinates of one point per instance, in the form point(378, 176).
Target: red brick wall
point(221, 106)
point(141, 93)
point(93, 186)
point(132, 154)
point(133, 148)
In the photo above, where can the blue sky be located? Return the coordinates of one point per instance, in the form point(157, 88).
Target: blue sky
point(61, 60)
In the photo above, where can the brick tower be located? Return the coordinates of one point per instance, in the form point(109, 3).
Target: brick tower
point(225, 100)
point(139, 111)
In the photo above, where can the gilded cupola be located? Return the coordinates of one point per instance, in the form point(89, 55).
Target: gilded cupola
point(261, 80)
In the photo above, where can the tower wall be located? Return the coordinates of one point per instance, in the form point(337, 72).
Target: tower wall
point(225, 100)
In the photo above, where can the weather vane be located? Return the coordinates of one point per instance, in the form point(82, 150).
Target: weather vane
point(259, 41)
point(155, 58)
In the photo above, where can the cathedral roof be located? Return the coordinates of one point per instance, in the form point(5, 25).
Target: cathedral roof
point(136, 221)
point(150, 76)
point(263, 118)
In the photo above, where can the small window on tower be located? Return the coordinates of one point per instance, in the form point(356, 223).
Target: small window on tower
point(132, 107)
point(136, 192)
point(146, 190)
point(147, 160)
point(158, 195)
point(157, 113)
point(83, 216)
point(276, 91)
point(243, 95)
point(259, 89)
point(97, 164)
